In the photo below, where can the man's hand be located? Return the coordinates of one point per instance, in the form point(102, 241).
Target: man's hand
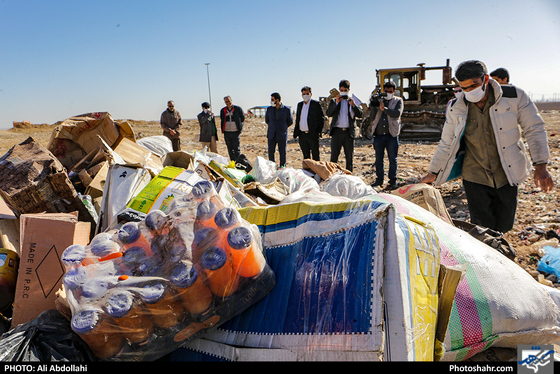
point(381, 105)
point(428, 178)
point(172, 132)
point(542, 178)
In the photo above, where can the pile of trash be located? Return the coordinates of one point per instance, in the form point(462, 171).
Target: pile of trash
point(143, 253)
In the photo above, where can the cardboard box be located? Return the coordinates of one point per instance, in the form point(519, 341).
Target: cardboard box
point(170, 183)
point(44, 237)
point(425, 196)
point(180, 159)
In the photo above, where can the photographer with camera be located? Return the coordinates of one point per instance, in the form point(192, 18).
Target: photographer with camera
point(344, 112)
point(385, 129)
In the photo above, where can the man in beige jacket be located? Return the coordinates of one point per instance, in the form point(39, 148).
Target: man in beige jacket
point(481, 142)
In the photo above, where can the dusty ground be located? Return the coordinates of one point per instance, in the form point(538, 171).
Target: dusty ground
point(536, 211)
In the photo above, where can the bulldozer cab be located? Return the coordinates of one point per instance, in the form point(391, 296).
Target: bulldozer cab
point(407, 81)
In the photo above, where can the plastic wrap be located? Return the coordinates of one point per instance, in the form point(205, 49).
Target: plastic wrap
point(139, 292)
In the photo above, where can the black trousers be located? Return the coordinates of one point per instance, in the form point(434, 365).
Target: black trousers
point(309, 144)
point(232, 142)
point(490, 207)
point(340, 138)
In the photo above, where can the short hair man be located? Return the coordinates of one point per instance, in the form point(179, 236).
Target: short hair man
point(310, 120)
point(208, 134)
point(344, 112)
point(482, 142)
point(385, 128)
point(232, 120)
point(500, 75)
point(278, 117)
point(170, 122)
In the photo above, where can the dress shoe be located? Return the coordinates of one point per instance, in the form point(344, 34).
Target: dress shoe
point(376, 183)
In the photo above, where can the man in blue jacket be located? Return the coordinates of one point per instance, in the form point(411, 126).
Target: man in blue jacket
point(278, 118)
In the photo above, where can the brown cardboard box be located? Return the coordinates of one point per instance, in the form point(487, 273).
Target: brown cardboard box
point(44, 237)
point(180, 159)
point(426, 196)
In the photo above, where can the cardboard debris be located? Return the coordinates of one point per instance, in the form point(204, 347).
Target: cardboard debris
point(79, 135)
point(32, 180)
point(43, 239)
point(427, 197)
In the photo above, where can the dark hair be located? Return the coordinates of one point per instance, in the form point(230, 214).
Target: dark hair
point(206, 104)
point(501, 73)
point(306, 88)
point(276, 95)
point(344, 83)
point(390, 84)
point(470, 69)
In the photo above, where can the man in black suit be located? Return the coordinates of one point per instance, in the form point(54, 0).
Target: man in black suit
point(344, 112)
point(309, 126)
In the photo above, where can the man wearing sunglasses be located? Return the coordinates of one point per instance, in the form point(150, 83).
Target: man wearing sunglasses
point(482, 142)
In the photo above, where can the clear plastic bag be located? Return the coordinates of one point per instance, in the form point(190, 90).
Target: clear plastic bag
point(140, 291)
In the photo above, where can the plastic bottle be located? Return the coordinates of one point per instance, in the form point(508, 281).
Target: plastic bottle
point(128, 312)
point(195, 295)
point(205, 213)
point(99, 331)
point(227, 218)
point(9, 266)
point(203, 190)
point(165, 308)
point(130, 235)
point(222, 279)
point(73, 256)
point(204, 238)
point(137, 263)
point(247, 259)
point(156, 221)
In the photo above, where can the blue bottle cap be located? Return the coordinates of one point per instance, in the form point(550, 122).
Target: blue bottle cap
point(226, 217)
point(102, 248)
point(85, 320)
point(152, 294)
point(154, 220)
point(184, 275)
point(129, 232)
point(240, 237)
point(213, 258)
point(206, 210)
point(73, 255)
point(75, 277)
point(202, 189)
point(133, 256)
point(151, 266)
point(119, 304)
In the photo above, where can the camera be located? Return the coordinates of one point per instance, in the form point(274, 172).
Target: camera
point(375, 98)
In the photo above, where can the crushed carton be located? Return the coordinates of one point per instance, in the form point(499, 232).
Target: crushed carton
point(32, 180)
point(44, 237)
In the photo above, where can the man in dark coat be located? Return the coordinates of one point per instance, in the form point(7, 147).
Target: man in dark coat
point(310, 120)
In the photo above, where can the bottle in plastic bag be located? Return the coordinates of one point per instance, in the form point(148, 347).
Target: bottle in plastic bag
point(195, 295)
point(129, 313)
point(99, 331)
point(166, 310)
point(247, 260)
point(222, 279)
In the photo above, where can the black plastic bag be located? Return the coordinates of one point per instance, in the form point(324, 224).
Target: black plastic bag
point(47, 338)
point(243, 163)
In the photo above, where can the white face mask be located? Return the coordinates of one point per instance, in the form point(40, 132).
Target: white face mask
point(389, 96)
point(345, 93)
point(205, 110)
point(306, 98)
point(272, 103)
point(474, 96)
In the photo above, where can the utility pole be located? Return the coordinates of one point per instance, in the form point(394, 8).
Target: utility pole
point(208, 75)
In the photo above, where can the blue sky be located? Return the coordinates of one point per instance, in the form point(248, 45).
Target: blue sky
point(64, 58)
